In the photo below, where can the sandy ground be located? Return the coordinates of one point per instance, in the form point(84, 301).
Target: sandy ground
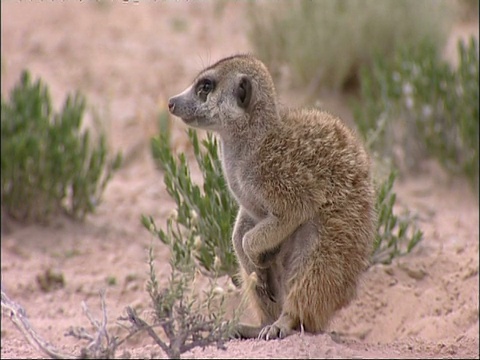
point(128, 59)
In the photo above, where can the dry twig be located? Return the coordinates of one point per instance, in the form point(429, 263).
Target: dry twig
point(95, 348)
point(19, 317)
point(179, 341)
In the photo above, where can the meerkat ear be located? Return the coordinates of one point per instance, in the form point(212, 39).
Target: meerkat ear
point(243, 91)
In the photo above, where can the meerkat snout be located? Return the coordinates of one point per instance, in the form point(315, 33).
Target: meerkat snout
point(178, 104)
point(171, 105)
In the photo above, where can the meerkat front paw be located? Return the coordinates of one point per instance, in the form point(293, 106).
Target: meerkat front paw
point(261, 260)
point(274, 331)
point(281, 328)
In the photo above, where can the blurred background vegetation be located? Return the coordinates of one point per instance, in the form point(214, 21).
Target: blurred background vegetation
point(323, 44)
point(51, 164)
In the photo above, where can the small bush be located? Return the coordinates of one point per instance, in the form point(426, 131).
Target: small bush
point(201, 225)
point(48, 164)
point(421, 106)
point(396, 234)
point(188, 318)
point(326, 42)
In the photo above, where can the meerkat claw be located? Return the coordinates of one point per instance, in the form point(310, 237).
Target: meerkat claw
point(271, 332)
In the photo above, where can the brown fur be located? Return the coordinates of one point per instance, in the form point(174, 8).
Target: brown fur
point(302, 179)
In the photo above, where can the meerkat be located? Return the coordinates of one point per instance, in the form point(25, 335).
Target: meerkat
point(302, 179)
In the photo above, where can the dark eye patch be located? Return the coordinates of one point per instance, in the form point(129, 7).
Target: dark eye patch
point(204, 87)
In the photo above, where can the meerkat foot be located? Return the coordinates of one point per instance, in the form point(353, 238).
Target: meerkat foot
point(275, 331)
point(278, 330)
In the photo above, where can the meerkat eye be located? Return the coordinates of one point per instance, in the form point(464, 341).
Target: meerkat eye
point(204, 88)
point(207, 86)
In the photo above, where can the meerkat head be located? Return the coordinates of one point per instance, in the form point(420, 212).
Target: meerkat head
point(226, 95)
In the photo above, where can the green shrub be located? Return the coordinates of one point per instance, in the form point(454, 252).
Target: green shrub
point(326, 42)
point(396, 234)
point(202, 223)
point(48, 164)
point(188, 318)
point(419, 104)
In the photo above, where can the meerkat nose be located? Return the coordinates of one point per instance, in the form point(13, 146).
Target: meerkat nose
point(171, 105)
